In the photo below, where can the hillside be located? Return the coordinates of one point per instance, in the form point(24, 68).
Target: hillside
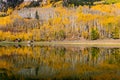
point(53, 22)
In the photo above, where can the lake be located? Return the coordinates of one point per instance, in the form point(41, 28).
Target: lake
point(59, 63)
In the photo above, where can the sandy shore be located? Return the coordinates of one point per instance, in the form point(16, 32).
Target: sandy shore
point(106, 42)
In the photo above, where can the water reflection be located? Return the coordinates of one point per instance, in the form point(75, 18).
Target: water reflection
point(54, 62)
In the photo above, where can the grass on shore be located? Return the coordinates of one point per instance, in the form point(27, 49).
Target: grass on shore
point(66, 43)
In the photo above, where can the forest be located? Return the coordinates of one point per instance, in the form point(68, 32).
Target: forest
point(58, 20)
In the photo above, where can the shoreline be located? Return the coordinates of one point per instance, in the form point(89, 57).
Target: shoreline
point(65, 42)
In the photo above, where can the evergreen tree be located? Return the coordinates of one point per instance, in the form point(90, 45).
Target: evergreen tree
point(94, 34)
point(36, 15)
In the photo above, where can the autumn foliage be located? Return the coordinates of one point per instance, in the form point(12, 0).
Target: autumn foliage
point(62, 62)
point(62, 23)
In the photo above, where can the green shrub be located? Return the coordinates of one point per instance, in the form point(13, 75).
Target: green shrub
point(116, 33)
point(61, 35)
point(94, 34)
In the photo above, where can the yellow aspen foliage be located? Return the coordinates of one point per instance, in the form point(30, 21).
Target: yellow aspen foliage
point(61, 10)
point(118, 5)
point(47, 6)
point(9, 19)
point(85, 34)
point(12, 37)
point(58, 4)
point(23, 5)
point(62, 22)
point(30, 35)
point(20, 35)
point(65, 21)
point(25, 37)
point(109, 19)
point(1, 35)
point(80, 16)
point(7, 35)
point(37, 36)
point(57, 20)
point(86, 17)
point(109, 9)
point(9, 11)
point(5, 20)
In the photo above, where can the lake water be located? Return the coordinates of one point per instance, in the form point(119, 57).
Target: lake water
point(59, 63)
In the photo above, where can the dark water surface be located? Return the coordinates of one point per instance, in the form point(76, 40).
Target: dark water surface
point(59, 63)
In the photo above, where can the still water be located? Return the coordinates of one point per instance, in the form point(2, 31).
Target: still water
point(59, 63)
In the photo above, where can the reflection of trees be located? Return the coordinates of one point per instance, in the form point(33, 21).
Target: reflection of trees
point(115, 57)
point(34, 61)
point(37, 55)
point(95, 54)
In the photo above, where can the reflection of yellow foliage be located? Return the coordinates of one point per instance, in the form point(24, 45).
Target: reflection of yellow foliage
point(4, 64)
point(67, 65)
point(107, 76)
point(13, 50)
point(109, 66)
